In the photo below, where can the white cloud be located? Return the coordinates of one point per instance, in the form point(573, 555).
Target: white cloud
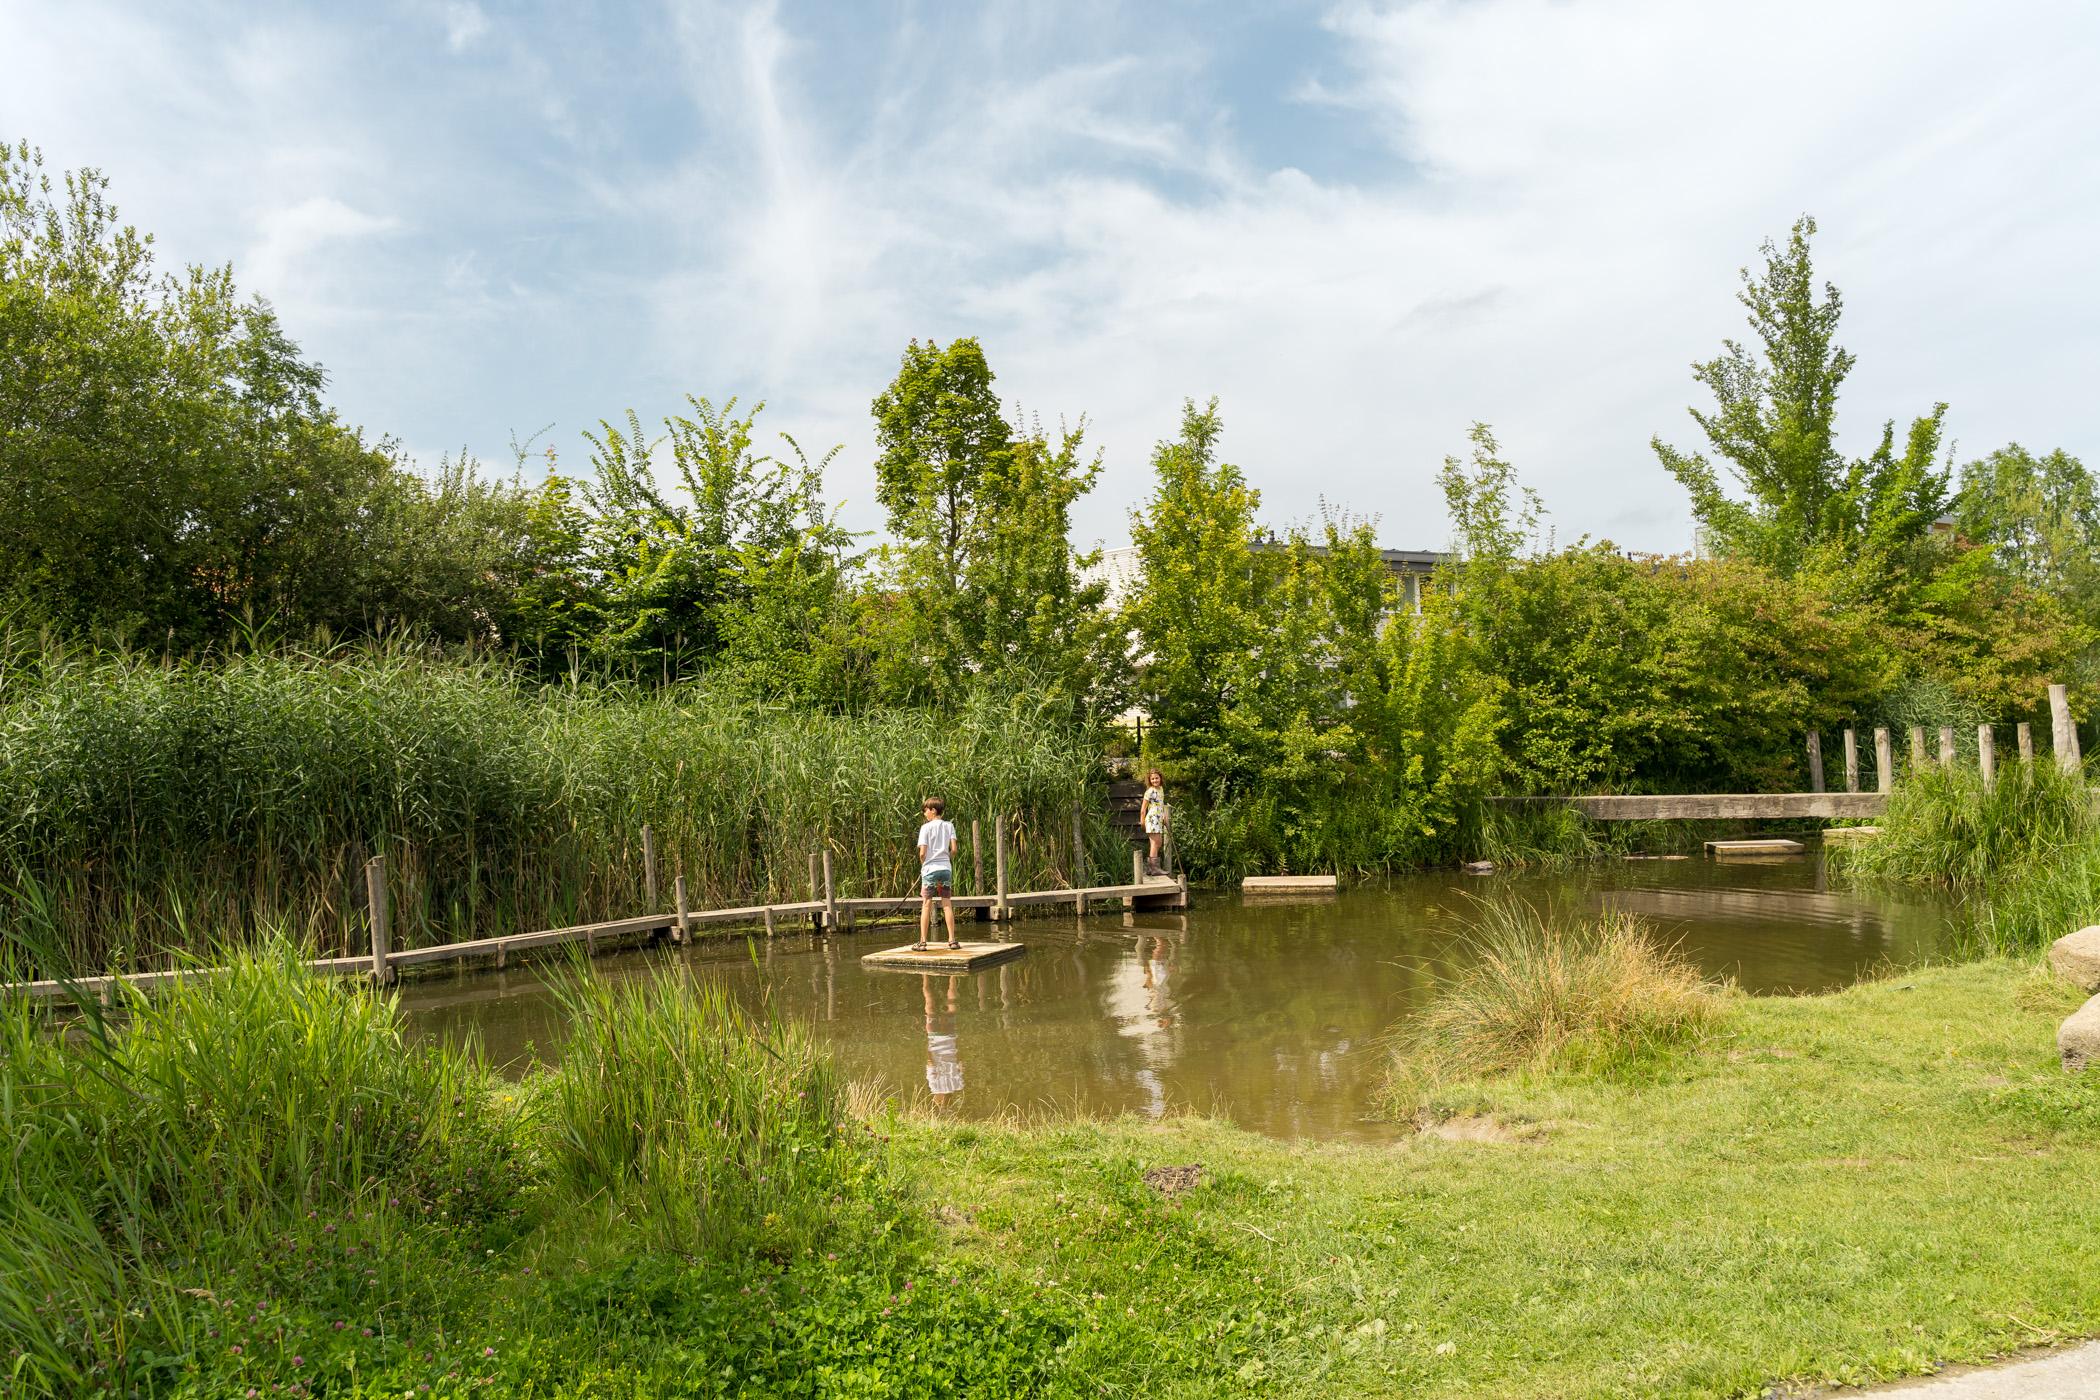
point(1586, 180)
point(465, 23)
point(1526, 211)
point(293, 235)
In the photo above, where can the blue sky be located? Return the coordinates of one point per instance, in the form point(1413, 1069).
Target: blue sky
point(1362, 226)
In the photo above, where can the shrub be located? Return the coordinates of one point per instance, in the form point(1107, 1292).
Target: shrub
point(1540, 992)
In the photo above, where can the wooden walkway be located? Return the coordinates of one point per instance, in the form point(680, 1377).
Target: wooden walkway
point(384, 963)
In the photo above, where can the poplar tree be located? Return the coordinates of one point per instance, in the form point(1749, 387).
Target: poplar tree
point(1774, 424)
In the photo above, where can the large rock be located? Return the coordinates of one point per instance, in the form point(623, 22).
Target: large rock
point(2078, 1039)
point(2077, 956)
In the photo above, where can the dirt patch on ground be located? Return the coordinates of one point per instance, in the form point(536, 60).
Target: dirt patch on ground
point(1172, 1181)
point(1477, 1127)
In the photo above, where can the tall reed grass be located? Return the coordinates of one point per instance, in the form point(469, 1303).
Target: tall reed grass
point(266, 1133)
point(1541, 990)
point(192, 1122)
point(141, 800)
point(2024, 848)
point(709, 1131)
point(1948, 826)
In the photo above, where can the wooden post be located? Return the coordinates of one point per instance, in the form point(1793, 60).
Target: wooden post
point(1815, 760)
point(1946, 746)
point(1884, 761)
point(1137, 867)
point(769, 921)
point(1851, 760)
point(684, 921)
point(815, 882)
point(381, 911)
point(2023, 734)
point(999, 863)
point(648, 869)
point(976, 858)
point(831, 904)
point(2061, 731)
point(1987, 754)
point(1078, 858)
point(1917, 747)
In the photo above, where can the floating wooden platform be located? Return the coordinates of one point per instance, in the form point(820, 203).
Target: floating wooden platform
point(1288, 884)
point(938, 957)
point(1770, 846)
point(1850, 835)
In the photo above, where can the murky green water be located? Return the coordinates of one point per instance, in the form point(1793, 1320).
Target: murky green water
point(1267, 1013)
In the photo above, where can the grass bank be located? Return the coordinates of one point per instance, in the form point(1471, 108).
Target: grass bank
point(143, 804)
point(1850, 1187)
point(1844, 1187)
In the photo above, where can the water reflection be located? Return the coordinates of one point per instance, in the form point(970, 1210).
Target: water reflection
point(1270, 1013)
point(944, 1071)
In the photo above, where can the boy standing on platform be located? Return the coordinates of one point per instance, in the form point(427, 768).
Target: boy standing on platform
point(936, 871)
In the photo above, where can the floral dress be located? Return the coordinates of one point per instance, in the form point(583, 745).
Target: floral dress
point(1155, 811)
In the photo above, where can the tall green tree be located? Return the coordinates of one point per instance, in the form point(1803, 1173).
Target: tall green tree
point(1198, 614)
point(985, 580)
point(1774, 424)
point(2040, 516)
point(680, 571)
point(168, 471)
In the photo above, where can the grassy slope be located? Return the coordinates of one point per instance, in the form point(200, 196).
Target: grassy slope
point(1847, 1187)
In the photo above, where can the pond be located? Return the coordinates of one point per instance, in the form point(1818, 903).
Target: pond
point(1267, 1013)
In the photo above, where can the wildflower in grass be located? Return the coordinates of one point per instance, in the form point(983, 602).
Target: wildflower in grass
point(488, 1351)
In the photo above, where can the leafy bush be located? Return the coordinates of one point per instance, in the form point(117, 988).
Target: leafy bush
point(1543, 992)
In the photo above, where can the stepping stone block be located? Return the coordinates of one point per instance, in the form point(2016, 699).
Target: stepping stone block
point(1288, 884)
point(938, 957)
point(1770, 846)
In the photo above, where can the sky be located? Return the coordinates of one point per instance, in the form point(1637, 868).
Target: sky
point(1363, 227)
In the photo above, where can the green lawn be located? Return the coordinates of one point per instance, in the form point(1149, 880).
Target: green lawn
point(1850, 1187)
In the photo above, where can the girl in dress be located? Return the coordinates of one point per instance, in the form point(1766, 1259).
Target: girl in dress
point(1152, 816)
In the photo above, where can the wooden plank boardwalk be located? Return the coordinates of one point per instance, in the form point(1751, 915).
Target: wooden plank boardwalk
point(384, 963)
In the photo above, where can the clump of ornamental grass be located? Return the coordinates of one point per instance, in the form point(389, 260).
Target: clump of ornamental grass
point(1542, 992)
point(704, 1129)
point(1949, 826)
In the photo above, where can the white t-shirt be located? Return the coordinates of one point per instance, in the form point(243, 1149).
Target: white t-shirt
point(937, 839)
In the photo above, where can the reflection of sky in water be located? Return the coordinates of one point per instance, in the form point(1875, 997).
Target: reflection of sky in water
point(1271, 1014)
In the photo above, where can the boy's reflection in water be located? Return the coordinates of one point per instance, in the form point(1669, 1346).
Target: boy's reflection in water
point(944, 1072)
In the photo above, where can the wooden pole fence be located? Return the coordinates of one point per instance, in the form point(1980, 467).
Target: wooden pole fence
point(380, 908)
point(1851, 759)
point(1815, 760)
point(1987, 753)
point(1884, 761)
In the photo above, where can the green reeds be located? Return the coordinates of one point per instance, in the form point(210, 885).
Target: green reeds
point(139, 800)
point(1948, 826)
point(267, 1133)
point(708, 1130)
point(190, 1123)
point(1543, 991)
point(2025, 847)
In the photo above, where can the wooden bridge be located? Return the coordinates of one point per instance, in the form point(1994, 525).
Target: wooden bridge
point(826, 913)
point(1817, 803)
